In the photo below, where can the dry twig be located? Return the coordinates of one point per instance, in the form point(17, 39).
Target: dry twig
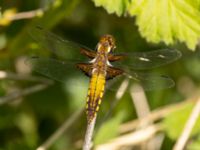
point(24, 15)
point(14, 76)
point(61, 130)
point(130, 139)
point(154, 115)
point(14, 95)
point(142, 109)
point(144, 134)
point(180, 144)
point(88, 135)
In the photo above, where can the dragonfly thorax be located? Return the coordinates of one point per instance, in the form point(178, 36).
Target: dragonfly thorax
point(106, 44)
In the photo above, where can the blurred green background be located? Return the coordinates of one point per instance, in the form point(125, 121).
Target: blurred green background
point(26, 121)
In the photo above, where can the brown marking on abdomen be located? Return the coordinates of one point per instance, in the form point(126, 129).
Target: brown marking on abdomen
point(95, 94)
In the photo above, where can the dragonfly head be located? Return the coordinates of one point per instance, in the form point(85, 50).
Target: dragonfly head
point(106, 44)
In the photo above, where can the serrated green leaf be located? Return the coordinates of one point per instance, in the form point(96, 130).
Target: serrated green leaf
point(113, 6)
point(168, 20)
point(175, 122)
point(108, 130)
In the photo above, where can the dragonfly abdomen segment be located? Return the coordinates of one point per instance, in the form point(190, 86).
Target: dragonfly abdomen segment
point(95, 94)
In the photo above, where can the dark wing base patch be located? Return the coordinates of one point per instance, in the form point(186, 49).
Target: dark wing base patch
point(89, 53)
point(86, 68)
point(113, 72)
point(113, 58)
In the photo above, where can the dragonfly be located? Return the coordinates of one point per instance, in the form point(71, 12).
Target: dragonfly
point(102, 65)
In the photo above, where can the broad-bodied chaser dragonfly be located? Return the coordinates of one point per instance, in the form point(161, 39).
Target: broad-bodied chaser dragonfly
point(99, 69)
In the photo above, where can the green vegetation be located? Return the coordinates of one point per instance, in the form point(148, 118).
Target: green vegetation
point(32, 107)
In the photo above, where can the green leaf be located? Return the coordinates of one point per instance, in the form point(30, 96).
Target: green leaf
point(194, 3)
point(175, 122)
point(108, 130)
point(113, 6)
point(194, 144)
point(58, 10)
point(168, 20)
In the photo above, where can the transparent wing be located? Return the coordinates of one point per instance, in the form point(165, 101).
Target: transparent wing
point(70, 51)
point(148, 81)
point(135, 60)
point(55, 69)
point(148, 60)
point(63, 71)
point(64, 49)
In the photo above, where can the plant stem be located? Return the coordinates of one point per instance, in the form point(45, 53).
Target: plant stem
point(181, 142)
point(14, 95)
point(61, 130)
point(88, 135)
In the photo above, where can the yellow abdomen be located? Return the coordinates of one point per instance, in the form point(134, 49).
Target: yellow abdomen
point(95, 94)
